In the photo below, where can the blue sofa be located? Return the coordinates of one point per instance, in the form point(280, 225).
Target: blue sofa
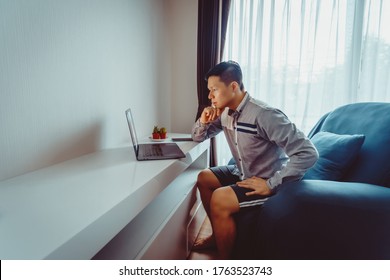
point(322, 219)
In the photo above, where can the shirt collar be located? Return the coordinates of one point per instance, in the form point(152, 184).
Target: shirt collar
point(240, 107)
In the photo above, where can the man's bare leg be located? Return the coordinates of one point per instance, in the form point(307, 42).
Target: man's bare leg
point(207, 182)
point(224, 203)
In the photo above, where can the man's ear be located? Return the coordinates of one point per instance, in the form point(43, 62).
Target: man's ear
point(235, 85)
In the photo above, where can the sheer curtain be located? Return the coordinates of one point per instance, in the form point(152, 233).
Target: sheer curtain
point(309, 57)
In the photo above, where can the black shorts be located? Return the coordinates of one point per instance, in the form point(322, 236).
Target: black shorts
point(226, 177)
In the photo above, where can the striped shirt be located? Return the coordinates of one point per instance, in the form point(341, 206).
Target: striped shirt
point(263, 142)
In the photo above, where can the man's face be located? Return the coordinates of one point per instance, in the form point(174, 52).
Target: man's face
point(220, 94)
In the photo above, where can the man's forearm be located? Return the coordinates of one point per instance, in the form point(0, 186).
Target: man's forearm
point(201, 132)
point(295, 168)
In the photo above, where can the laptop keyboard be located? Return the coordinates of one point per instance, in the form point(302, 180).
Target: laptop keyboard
point(153, 150)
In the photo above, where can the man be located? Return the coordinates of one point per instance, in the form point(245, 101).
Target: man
point(268, 150)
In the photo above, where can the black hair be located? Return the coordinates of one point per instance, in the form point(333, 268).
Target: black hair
point(227, 71)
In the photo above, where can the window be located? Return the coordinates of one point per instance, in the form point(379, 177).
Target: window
point(309, 57)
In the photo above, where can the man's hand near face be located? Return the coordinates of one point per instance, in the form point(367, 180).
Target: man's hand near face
point(209, 114)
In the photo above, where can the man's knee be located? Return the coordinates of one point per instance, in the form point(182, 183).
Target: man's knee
point(203, 177)
point(224, 202)
point(207, 180)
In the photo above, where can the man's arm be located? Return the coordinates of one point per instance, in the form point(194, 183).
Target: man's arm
point(208, 125)
point(300, 150)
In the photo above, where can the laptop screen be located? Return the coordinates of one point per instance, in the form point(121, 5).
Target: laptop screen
point(133, 134)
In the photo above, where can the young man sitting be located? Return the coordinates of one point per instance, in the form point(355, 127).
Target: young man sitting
point(267, 147)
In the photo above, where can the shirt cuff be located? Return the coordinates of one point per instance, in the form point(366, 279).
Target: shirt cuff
point(274, 181)
point(200, 124)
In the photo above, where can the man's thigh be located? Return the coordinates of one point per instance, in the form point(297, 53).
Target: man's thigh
point(245, 200)
point(224, 175)
point(224, 200)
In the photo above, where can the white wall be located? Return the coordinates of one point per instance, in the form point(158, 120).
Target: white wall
point(183, 16)
point(69, 69)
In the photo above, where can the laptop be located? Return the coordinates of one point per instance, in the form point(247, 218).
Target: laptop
point(152, 151)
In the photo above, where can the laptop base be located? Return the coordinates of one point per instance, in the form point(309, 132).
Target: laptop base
point(159, 151)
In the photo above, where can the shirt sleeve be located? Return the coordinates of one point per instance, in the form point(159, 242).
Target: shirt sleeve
point(300, 150)
point(201, 132)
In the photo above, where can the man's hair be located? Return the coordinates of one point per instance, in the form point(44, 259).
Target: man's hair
point(227, 71)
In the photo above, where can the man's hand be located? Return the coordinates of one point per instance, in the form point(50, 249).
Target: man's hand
point(258, 185)
point(209, 114)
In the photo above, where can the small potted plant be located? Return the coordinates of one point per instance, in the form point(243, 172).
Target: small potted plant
point(156, 133)
point(163, 133)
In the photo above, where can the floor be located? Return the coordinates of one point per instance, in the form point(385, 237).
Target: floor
point(211, 254)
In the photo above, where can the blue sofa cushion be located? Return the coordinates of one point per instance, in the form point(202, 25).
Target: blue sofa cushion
point(372, 165)
point(336, 153)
